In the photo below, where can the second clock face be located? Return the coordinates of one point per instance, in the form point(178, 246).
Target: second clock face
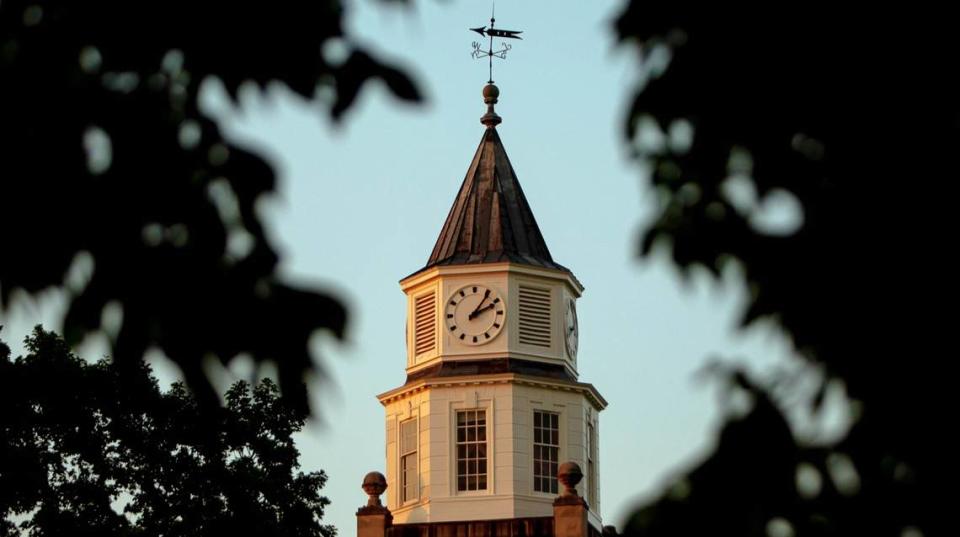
point(474, 314)
point(572, 335)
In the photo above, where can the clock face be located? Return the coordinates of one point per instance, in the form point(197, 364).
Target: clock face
point(474, 314)
point(572, 331)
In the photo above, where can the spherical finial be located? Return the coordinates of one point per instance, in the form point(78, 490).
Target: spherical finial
point(569, 474)
point(374, 483)
point(490, 95)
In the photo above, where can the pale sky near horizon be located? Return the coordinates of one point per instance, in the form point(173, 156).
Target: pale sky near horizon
point(360, 205)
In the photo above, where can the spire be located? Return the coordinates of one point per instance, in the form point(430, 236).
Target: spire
point(491, 221)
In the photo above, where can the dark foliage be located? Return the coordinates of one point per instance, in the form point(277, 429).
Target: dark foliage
point(856, 116)
point(80, 441)
point(103, 152)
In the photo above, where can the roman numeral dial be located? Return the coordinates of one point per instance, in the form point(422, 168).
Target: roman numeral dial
point(474, 314)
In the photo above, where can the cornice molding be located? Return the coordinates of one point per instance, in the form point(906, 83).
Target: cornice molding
point(425, 276)
point(408, 390)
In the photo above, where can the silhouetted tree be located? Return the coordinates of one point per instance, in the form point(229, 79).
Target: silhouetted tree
point(107, 164)
point(853, 115)
point(86, 450)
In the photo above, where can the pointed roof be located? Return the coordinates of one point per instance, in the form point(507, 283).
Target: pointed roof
point(491, 221)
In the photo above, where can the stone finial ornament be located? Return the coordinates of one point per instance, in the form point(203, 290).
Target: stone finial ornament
point(373, 519)
point(374, 483)
point(569, 474)
point(569, 509)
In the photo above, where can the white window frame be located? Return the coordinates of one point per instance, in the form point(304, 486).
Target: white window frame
point(534, 477)
point(486, 444)
point(401, 458)
point(593, 453)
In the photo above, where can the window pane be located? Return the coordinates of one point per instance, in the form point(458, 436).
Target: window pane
point(408, 436)
point(471, 450)
point(546, 450)
point(408, 460)
point(408, 477)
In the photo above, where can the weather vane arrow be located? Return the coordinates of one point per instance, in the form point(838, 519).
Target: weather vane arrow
point(492, 32)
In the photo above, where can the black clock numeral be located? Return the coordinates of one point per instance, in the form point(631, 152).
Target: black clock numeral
point(486, 335)
point(462, 293)
point(474, 339)
point(453, 302)
point(449, 316)
point(474, 288)
point(462, 336)
point(496, 300)
point(499, 312)
point(496, 325)
point(452, 328)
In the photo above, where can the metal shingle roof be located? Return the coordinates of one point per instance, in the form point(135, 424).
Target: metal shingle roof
point(491, 221)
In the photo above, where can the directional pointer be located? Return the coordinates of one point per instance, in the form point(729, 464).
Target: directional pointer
point(496, 32)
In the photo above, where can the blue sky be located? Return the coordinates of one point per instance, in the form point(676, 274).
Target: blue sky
point(361, 204)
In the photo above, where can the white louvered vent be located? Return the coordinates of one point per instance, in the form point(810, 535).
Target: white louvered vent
point(535, 325)
point(425, 323)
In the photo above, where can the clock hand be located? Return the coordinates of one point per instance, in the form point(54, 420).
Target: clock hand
point(482, 300)
point(479, 311)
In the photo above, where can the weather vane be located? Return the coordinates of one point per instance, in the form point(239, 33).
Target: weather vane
point(492, 32)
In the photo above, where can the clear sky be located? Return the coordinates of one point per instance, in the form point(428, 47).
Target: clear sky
point(361, 204)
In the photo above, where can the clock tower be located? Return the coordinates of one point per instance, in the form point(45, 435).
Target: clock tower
point(492, 402)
